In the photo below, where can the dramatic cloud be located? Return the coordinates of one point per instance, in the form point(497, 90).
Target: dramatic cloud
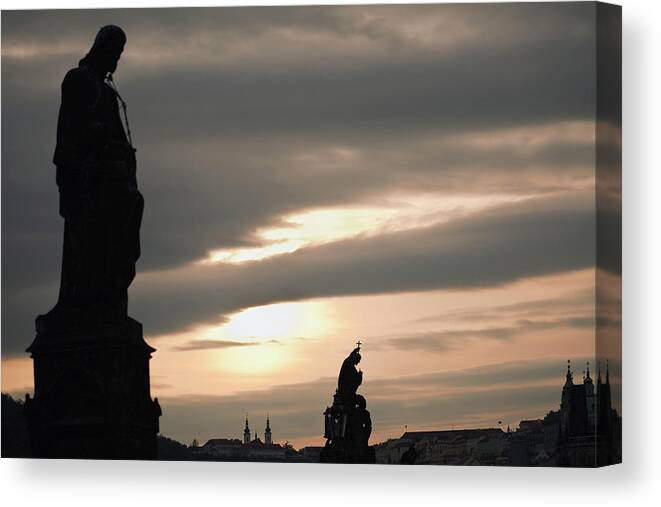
point(446, 340)
point(496, 247)
point(212, 344)
point(500, 245)
point(580, 302)
point(223, 130)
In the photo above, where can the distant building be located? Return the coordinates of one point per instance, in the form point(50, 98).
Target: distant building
point(589, 427)
point(246, 433)
point(311, 453)
point(250, 449)
point(267, 432)
point(487, 446)
point(222, 448)
point(584, 432)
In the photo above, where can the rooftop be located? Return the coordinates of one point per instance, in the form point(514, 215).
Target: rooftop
point(416, 436)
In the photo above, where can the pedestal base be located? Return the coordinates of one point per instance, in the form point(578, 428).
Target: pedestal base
point(345, 454)
point(92, 395)
point(348, 427)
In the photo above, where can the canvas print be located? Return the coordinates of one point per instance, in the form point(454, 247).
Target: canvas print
point(360, 234)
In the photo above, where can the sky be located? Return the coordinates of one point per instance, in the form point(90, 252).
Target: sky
point(421, 178)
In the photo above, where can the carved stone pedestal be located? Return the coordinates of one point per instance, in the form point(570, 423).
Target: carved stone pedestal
point(92, 396)
point(348, 426)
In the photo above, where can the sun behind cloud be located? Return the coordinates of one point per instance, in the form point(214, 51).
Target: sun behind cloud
point(281, 322)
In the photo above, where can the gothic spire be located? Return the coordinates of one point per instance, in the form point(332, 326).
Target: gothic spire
point(587, 374)
point(570, 378)
point(607, 375)
point(246, 432)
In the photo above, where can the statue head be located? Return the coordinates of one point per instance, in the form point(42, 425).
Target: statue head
point(355, 356)
point(106, 50)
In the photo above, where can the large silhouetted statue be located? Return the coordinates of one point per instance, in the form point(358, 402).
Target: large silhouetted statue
point(92, 394)
point(347, 422)
point(99, 197)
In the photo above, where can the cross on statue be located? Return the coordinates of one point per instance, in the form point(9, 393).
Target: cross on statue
point(358, 343)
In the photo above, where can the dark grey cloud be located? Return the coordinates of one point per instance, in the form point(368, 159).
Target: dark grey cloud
point(487, 249)
point(226, 104)
point(579, 301)
point(212, 344)
point(538, 237)
point(443, 341)
point(194, 206)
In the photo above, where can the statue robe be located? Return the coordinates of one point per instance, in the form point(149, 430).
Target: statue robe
point(350, 378)
point(99, 199)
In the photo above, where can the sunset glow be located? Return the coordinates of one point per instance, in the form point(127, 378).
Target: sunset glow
point(399, 213)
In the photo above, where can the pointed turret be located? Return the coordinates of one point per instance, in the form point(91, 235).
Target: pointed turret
point(607, 374)
point(589, 385)
point(267, 431)
point(569, 379)
point(588, 379)
point(246, 432)
point(605, 407)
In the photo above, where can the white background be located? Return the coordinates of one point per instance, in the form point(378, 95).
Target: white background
point(636, 482)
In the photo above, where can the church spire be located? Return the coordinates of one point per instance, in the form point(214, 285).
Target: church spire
point(607, 374)
point(588, 380)
point(246, 432)
point(267, 431)
point(570, 378)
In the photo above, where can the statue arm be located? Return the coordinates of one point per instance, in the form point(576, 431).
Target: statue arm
point(79, 96)
point(76, 129)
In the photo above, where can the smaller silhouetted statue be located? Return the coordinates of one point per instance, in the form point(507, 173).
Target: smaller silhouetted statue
point(408, 458)
point(348, 424)
point(350, 377)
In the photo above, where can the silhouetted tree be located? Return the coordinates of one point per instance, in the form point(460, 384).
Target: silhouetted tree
point(171, 450)
point(15, 440)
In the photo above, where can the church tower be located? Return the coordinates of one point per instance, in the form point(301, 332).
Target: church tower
point(591, 400)
point(246, 432)
point(604, 404)
point(566, 401)
point(267, 432)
